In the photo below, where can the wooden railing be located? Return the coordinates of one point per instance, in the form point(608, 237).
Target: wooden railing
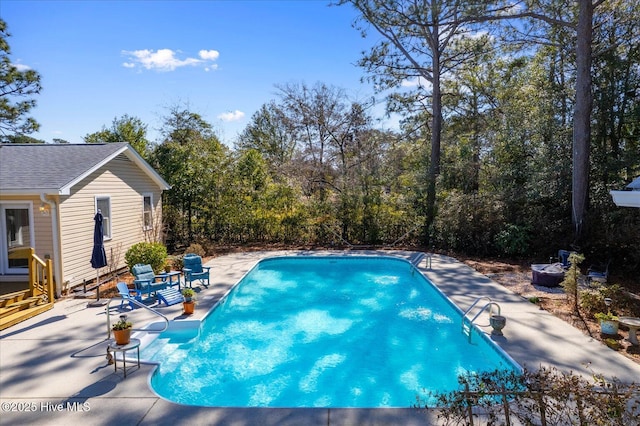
point(41, 280)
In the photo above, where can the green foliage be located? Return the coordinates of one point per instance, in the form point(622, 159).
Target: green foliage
point(21, 139)
point(605, 316)
point(189, 294)
point(154, 254)
point(571, 278)
point(312, 167)
point(178, 262)
point(592, 302)
point(544, 397)
point(195, 248)
point(16, 85)
point(122, 323)
point(621, 298)
point(468, 222)
point(513, 239)
point(124, 129)
point(612, 343)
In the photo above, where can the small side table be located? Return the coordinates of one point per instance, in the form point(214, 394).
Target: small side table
point(634, 325)
point(133, 344)
point(170, 276)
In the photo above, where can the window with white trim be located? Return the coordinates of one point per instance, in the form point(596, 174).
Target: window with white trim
point(103, 203)
point(147, 212)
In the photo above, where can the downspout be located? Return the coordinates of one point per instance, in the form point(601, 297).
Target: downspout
point(57, 260)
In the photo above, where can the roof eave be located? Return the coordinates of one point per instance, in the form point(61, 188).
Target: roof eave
point(34, 191)
point(626, 198)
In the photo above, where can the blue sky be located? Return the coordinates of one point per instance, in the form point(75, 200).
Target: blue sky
point(102, 59)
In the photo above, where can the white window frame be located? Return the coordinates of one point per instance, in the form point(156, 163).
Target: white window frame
point(4, 243)
point(106, 215)
point(145, 226)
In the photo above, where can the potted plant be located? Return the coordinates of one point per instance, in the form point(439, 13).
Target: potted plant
point(167, 265)
point(189, 295)
point(608, 322)
point(122, 330)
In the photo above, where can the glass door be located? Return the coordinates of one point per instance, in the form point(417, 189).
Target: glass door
point(16, 238)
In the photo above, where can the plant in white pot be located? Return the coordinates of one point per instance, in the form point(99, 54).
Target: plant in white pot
point(608, 322)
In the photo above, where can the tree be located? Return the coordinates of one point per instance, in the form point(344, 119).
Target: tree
point(16, 84)
point(124, 129)
point(419, 40)
point(578, 17)
point(192, 160)
point(17, 138)
point(269, 134)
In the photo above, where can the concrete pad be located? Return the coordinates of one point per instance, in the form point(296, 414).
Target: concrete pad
point(53, 367)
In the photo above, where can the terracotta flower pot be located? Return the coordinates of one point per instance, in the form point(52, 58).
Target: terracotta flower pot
point(123, 337)
point(188, 307)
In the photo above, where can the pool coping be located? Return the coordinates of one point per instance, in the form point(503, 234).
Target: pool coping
point(47, 377)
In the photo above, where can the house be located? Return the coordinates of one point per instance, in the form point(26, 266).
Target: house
point(49, 194)
point(630, 196)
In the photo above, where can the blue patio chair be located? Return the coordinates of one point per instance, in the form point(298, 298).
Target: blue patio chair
point(563, 257)
point(193, 270)
point(598, 273)
point(127, 295)
point(146, 280)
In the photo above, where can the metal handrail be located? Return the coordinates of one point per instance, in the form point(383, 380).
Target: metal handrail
point(142, 305)
point(464, 316)
point(489, 305)
point(466, 329)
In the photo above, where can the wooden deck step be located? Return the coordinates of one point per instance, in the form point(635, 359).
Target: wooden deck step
point(8, 311)
point(29, 302)
point(20, 305)
point(23, 315)
point(16, 296)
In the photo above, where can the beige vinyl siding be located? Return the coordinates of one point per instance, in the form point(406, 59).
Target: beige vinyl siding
point(42, 230)
point(124, 184)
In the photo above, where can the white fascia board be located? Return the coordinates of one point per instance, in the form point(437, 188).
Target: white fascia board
point(626, 198)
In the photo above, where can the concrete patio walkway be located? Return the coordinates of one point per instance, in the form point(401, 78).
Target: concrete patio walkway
point(53, 368)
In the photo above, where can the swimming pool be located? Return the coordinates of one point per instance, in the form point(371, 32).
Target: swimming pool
point(315, 331)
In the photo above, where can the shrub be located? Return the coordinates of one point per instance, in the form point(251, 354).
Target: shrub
point(154, 254)
point(542, 397)
point(592, 302)
point(513, 239)
point(178, 262)
point(571, 278)
point(622, 300)
point(195, 248)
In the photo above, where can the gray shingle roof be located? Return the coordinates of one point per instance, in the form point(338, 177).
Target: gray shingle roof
point(34, 168)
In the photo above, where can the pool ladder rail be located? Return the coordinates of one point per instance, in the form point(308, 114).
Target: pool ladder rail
point(164, 327)
point(467, 324)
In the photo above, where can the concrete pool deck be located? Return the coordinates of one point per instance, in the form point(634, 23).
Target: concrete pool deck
point(53, 368)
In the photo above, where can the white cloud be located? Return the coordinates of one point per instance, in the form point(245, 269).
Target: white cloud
point(167, 59)
point(211, 55)
point(231, 116)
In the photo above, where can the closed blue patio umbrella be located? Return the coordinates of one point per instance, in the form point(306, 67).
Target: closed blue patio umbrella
point(98, 256)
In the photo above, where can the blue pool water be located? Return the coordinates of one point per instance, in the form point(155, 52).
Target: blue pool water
point(322, 332)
